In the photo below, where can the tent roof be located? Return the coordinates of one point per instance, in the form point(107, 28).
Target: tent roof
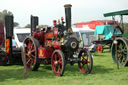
point(85, 28)
point(122, 12)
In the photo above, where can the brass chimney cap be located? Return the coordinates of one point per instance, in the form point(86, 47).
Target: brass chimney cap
point(67, 5)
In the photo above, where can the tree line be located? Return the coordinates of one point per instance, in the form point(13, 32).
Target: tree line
point(3, 14)
point(16, 24)
point(125, 27)
point(6, 12)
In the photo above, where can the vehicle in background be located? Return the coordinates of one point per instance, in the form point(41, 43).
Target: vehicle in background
point(103, 35)
point(119, 48)
point(105, 32)
point(2, 36)
point(94, 23)
point(8, 53)
point(20, 34)
point(86, 35)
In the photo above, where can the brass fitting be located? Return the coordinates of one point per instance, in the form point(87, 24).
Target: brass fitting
point(73, 44)
point(67, 5)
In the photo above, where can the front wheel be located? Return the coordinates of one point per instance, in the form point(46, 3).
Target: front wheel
point(30, 54)
point(85, 62)
point(58, 62)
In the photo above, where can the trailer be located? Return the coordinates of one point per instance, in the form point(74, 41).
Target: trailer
point(3, 58)
point(119, 47)
point(104, 36)
point(8, 53)
point(86, 35)
point(20, 34)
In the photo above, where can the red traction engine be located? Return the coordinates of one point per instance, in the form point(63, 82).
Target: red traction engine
point(56, 46)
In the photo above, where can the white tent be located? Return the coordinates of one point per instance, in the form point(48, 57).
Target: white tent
point(85, 28)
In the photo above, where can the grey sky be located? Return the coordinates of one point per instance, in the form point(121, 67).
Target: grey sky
point(48, 10)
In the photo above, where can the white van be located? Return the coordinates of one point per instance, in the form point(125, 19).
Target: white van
point(85, 34)
point(20, 34)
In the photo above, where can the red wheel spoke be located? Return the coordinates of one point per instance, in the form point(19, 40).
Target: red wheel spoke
point(32, 46)
point(60, 61)
point(26, 49)
point(33, 56)
point(28, 60)
point(32, 50)
point(59, 69)
point(27, 55)
point(29, 40)
point(55, 57)
point(29, 45)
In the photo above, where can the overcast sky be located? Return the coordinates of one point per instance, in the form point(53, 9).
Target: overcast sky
point(48, 10)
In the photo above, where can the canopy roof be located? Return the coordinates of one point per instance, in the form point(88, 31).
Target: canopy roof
point(106, 30)
point(123, 12)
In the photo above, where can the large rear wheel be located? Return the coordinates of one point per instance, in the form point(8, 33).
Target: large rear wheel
point(30, 54)
point(121, 50)
point(85, 62)
point(58, 62)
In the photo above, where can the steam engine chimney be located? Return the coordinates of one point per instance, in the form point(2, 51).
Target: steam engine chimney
point(68, 17)
point(34, 23)
point(9, 32)
point(9, 25)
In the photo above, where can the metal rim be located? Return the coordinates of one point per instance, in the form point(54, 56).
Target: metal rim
point(31, 53)
point(86, 63)
point(58, 63)
point(122, 51)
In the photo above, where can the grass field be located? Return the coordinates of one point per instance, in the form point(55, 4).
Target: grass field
point(104, 72)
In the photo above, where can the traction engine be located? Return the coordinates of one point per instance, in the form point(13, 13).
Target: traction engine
point(56, 46)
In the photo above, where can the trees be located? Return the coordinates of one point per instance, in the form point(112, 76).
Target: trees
point(43, 26)
point(3, 14)
point(125, 27)
point(39, 26)
point(28, 26)
point(16, 24)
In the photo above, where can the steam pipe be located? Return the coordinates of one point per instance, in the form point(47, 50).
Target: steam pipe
point(34, 23)
point(9, 25)
point(68, 17)
point(9, 33)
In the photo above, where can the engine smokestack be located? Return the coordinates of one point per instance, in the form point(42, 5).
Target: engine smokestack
point(9, 25)
point(68, 17)
point(34, 23)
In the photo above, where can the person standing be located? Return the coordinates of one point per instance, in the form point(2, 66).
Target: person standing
point(14, 44)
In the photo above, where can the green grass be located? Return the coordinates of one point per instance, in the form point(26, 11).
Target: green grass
point(104, 72)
